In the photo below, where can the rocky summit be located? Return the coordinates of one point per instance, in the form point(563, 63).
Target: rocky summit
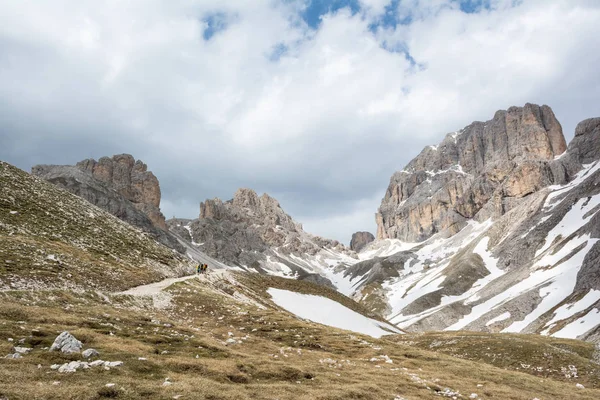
point(481, 171)
point(121, 185)
point(254, 233)
point(496, 229)
point(360, 240)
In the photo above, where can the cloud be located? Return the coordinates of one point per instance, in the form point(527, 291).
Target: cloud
point(219, 95)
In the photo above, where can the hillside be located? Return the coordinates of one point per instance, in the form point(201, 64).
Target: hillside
point(253, 233)
point(50, 238)
point(73, 267)
point(120, 185)
point(521, 261)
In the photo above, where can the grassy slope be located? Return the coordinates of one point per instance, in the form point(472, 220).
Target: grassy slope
point(51, 238)
point(276, 356)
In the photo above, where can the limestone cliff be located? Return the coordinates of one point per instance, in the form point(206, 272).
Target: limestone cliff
point(479, 172)
point(120, 185)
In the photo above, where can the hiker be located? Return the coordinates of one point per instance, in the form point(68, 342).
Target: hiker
point(199, 269)
point(205, 268)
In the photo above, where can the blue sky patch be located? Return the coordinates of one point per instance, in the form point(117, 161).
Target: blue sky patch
point(214, 23)
point(317, 8)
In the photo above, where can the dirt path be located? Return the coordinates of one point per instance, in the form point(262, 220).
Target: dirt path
point(156, 288)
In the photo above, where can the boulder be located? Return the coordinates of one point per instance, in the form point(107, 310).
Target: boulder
point(89, 353)
point(66, 343)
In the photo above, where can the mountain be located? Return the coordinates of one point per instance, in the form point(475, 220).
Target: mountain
point(254, 233)
point(120, 185)
point(479, 172)
point(495, 230)
point(144, 326)
point(360, 240)
point(50, 238)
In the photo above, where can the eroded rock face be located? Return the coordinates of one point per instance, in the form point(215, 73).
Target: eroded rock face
point(538, 232)
point(132, 180)
point(246, 229)
point(479, 172)
point(360, 240)
point(120, 185)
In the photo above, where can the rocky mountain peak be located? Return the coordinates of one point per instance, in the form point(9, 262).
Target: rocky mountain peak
point(251, 231)
point(584, 145)
point(131, 179)
point(120, 185)
point(360, 240)
point(481, 171)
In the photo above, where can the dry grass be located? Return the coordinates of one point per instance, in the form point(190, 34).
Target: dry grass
point(277, 357)
point(50, 238)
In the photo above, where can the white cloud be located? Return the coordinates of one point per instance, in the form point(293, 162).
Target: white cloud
point(320, 117)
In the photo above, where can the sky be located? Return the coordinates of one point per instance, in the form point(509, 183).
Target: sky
point(315, 102)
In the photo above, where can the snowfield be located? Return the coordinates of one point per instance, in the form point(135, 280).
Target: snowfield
point(328, 312)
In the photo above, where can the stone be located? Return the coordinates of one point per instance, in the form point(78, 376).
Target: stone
point(66, 343)
point(22, 350)
point(96, 363)
point(14, 356)
point(360, 240)
point(480, 172)
point(68, 368)
point(89, 353)
point(112, 364)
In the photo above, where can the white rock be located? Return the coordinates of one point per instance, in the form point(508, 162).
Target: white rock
point(110, 385)
point(23, 350)
point(167, 383)
point(112, 364)
point(69, 367)
point(16, 355)
point(580, 386)
point(96, 363)
point(54, 366)
point(89, 353)
point(66, 343)
point(142, 358)
point(473, 396)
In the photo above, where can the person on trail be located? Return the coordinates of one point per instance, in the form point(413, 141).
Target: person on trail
point(198, 269)
point(205, 268)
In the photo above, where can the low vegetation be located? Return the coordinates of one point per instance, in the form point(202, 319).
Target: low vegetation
point(209, 345)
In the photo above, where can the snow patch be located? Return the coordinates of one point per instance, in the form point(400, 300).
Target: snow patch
point(328, 312)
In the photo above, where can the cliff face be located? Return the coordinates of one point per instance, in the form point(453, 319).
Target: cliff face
point(132, 180)
point(527, 258)
point(479, 172)
point(120, 185)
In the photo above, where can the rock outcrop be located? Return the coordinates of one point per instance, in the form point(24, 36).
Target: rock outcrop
point(132, 180)
point(254, 232)
point(519, 224)
point(479, 172)
point(120, 185)
point(360, 240)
